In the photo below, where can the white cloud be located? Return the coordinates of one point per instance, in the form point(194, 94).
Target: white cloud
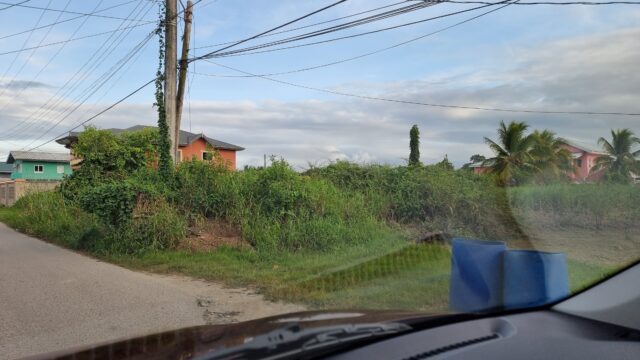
point(596, 73)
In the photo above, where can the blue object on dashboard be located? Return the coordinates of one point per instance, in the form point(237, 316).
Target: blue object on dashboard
point(534, 278)
point(476, 274)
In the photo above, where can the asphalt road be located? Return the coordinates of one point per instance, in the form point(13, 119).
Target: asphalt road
point(53, 299)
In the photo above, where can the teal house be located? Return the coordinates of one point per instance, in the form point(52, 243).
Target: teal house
point(31, 165)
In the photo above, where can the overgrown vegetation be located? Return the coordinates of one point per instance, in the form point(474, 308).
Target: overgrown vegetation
point(338, 235)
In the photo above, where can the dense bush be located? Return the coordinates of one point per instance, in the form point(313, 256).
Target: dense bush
point(276, 208)
point(436, 196)
point(154, 225)
point(113, 203)
point(48, 215)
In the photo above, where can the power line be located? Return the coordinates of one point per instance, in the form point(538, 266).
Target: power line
point(344, 26)
point(24, 44)
point(153, 32)
point(98, 114)
point(275, 28)
point(76, 39)
point(29, 58)
point(566, 3)
point(67, 20)
point(311, 25)
point(249, 51)
point(12, 5)
point(74, 82)
point(409, 102)
point(64, 11)
point(367, 53)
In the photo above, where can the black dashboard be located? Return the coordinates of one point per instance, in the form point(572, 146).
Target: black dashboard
point(535, 335)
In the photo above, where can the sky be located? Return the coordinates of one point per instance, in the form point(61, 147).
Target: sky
point(558, 58)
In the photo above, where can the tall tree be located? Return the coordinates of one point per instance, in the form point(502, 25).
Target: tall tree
point(621, 159)
point(512, 153)
point(414, 146)
point(550, 159)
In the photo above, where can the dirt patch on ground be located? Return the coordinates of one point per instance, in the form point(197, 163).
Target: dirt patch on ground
point(211, 234)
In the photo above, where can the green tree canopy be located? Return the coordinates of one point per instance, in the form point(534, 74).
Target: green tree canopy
point(622, 159)
point(512, 159)
point(414, 146)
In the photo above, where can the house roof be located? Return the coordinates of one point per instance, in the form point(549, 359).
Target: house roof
point(583, 146)
point(5, 168)
point(186, 138)
point(37, 156)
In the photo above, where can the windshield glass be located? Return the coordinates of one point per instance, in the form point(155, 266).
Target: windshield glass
point(171, 164)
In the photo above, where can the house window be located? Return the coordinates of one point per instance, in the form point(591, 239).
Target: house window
point(38, 169)
point(60, 169)
point(179, 155)
point(207, 155)
point(579, 163)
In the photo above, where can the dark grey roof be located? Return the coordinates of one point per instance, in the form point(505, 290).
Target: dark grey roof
point(37, 156)
point(5, 168)
point(186, 138)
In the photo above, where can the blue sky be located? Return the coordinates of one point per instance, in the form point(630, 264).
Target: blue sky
point(523, 57)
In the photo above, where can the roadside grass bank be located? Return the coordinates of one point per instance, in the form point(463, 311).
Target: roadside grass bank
point(342, 235)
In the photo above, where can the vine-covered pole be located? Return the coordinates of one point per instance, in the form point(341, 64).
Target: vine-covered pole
point(184, 63)
point(170, 72)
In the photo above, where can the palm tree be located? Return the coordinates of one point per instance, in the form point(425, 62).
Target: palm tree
point(512, 157)
point(621, 159)
point(550, 158)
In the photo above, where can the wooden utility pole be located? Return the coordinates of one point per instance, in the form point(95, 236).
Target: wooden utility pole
point(184, 65)
point(170, 71)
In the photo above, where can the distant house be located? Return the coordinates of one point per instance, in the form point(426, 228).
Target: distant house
point(479, 169)
point(31, 165)
point(584, 158)
point(5, 171)
point(190, 146)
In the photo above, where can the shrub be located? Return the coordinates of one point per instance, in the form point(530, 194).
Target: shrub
point(155, 225)
point(113, 202)
point(48, 215)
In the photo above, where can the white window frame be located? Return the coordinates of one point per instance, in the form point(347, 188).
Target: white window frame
point(35, 169)
point(179, 155)
point(60, 169)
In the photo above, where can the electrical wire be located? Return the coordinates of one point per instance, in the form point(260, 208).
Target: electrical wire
point(110, 107)
point(96, 115)
point(276, 28)
point(12, 5)
point(64, 11)
point(529, 3)
point(76, 39)
point(341, 61)
point(24, 45)
point(252, 50)
point(311, 25)
point(27, 61)
point(66, 20)
point(89, 67)
point(409, 102)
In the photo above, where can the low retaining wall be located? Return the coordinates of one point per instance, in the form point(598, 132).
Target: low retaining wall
point(11, 191)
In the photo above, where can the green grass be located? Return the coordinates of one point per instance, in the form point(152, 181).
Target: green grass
point(390, 275)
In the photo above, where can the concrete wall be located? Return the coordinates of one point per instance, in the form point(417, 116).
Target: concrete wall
point(11, 191)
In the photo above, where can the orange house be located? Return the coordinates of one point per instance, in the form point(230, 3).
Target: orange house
point(190, 146)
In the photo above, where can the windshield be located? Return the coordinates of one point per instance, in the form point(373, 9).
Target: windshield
point(170, 163)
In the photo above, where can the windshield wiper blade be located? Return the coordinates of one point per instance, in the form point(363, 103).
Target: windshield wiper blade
point(294, 342)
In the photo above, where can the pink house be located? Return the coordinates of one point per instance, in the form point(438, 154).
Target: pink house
point(584, 158)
